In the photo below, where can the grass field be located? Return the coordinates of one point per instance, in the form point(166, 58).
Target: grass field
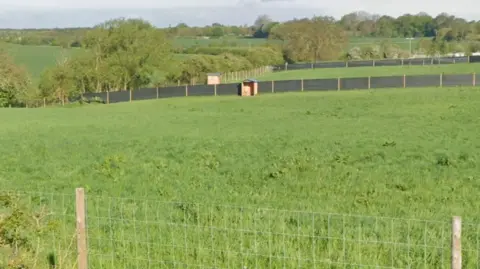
point(382, 71)
point(36, 58)
point(407, 154)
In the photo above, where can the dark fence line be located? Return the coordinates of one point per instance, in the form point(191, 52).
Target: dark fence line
point(329, 84)
point(382, 62)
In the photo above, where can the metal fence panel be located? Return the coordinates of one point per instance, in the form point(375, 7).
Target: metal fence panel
point(388, 62)
point(265, 86)
point(457, 80)
point(360, 63)
point(386, 82)
point(201, 90)
point(330, 65)
point(353, 83)
point(119, 97)
point(227, 89)
point(287, 85)
point(92, 95)
point(418, 61)
point(320, 84)
point(298, 66)
point(422, 81)
point(168, 92)
point(474, 59)
point(144, 94)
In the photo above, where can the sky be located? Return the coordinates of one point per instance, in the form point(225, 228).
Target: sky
point(70, 13)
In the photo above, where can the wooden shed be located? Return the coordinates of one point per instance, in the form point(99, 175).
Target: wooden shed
point(249, 87)
point(214, 78)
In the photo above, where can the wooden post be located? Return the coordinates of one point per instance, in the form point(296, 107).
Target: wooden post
point(131, 96)
point(81, 232)
point(441, 80)
point(157, 93)
point(423, 62)
point(457, 243)
point(346, 64)
point(186, 90)
point(474, 79)
point(338, 84)
point(373, 63)
point(402, 61)
point(108, 97)
point(273, 86)
point(215, 89)
point(44, 102)
point(369, 79)
point(404, 81)
point(302, 84)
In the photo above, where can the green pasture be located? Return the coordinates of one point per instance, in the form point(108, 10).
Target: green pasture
point(381, 71)
point(273, 181)
point(36, 58)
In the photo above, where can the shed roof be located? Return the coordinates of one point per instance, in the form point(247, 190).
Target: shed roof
point(214, 74)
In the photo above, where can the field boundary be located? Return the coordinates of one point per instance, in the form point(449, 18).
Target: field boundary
point(378, 63)
point(108, 229)
point(301, 85)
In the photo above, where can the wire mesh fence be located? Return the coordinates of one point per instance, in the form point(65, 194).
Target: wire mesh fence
point(141, 233)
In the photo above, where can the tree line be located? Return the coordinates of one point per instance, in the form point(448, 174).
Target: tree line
point(359, 24)
point(127, 54)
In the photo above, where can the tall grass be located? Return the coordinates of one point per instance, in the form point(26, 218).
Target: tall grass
point(284, 180)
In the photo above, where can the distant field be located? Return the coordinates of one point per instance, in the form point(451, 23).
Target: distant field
point(245, 42)
point(463, 68)
point(240, 42)
point(37, 58)
point(201, 174)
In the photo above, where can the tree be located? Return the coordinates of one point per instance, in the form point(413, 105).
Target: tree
point(311, 40)
point(14, 82)
point(124, 54)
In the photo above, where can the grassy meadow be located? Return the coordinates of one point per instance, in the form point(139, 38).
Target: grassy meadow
point(383, 71)
point(36, 58)
point(274, 181)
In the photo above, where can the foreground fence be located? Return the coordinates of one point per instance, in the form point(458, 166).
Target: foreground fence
point(88, 231)
point(382, 62)
point(330, 84)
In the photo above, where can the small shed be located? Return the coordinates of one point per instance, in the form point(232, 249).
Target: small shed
point(249, 87)
point(214, 78)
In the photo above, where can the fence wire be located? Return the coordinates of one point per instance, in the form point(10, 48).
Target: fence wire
point(141, 233)
point(134, 233)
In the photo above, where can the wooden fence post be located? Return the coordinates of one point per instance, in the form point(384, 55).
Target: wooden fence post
point(186, 90)
point(404, 81)
point(402, 61)
point(157, 93)
point(457, 243)
point(44, 102)
point(215, 89)
point(339, 84)
point(81, 231)
point(108, 97)
point(369, 82)
point(474, 82)
point(373, 63)
point(273, 86)
point(302, 84)
point(441, 80)
point(131, 96)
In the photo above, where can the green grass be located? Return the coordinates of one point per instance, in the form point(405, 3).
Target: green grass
point(382, 71)
point(36, 58)
point(227, 41)
point(403, 153)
